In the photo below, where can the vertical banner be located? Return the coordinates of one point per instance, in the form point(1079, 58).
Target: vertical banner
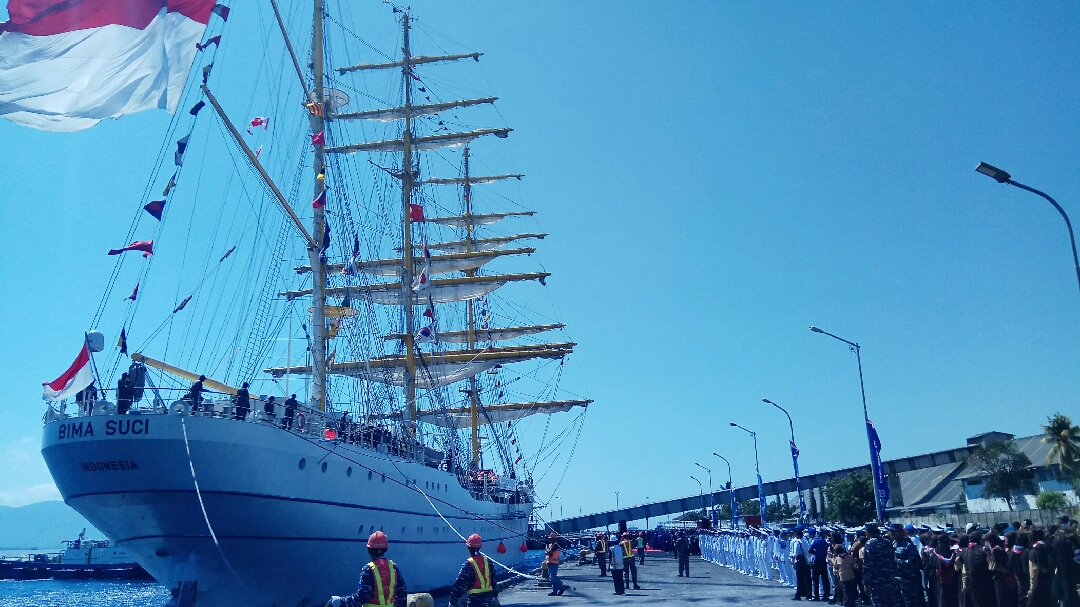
point(798, 481)
point(761, 499)
point(734, 510)
point(881, 484)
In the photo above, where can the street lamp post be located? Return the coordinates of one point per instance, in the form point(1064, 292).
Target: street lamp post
point(757, 468)
point(1003, 177)
point(794, 460)
point(878, 506)
point(712, 497)
point(701, 500)
point(731, 489)
point(616, 500)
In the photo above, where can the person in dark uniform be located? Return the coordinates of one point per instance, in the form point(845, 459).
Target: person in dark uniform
point(682, 552)
point(819, 565)
point(86, 398)
point(241, 402)
point(269, 408)
point(194, 395)
point(123, 394)
point(601, 553)
point(381, 582)
point(290, 412)
point(879, 569)
point(908, 568)
point(476, 578)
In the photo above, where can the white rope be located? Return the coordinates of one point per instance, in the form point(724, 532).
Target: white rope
point(191, 466)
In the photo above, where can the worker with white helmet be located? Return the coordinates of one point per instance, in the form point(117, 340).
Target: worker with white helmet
point(381, 583)
point(477, 577)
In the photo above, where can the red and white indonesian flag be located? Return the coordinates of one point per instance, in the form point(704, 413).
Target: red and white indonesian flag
point(77, 377)
point(67, 64)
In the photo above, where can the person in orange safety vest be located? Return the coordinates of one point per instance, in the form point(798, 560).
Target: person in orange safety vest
point(477, 578)
point(551, 552)
point(381, 583)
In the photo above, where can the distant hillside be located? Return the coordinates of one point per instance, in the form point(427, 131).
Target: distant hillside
point(42, 526)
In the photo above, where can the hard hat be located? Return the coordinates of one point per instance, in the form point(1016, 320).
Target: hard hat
point(474, 541)
point(599, 534)
point(378, 540)
point(553, 535)
point(625, 535)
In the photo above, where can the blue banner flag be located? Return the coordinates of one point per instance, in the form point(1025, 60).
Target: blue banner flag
point(798, 480)
point(881, 484)
point(761, 499)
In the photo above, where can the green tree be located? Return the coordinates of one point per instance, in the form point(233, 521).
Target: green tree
point(693, 515)
point(1008, 471)
point(749, 508)
point(1050, 500)
point(850, 499)
point(813, 506)
point(778, 511)
point(1064, 440)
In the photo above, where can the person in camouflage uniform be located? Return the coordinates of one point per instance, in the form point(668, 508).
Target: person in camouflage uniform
point(908, 568)
point(879, 569)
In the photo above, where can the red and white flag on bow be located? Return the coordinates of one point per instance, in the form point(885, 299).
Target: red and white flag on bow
point(65, 65)
point(256, 122)
point(78, 376)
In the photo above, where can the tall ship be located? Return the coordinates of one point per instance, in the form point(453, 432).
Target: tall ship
point(329, 330)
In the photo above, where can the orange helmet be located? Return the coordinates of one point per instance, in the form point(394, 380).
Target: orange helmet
point(378, 540)
point(625, 536)
point(474, 541)
point(599, 534)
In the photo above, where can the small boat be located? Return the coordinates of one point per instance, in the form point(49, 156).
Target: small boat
point(81, 559)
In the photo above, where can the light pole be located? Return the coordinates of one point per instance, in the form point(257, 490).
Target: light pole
point(731, 489)
point(1003, 177)
point(616, 500)
point(712, 497)
point(701, 499)
point(874, 467)
point(757, 469)
point(794, 459)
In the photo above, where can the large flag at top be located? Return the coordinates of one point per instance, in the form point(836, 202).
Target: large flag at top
point(78, 376)
point(67, 64)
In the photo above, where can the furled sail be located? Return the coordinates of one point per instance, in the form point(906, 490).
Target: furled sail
point(473, 180)
point(461, 221)
point(461, 417)
point(480, 244)
point(503, 334)
point(437, 264)
point(398, 113)
point(440, 290)
point(435, 369)
point(432, 142)
point(417, 60)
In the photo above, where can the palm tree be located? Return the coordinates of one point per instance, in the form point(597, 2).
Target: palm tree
point(1064, 440)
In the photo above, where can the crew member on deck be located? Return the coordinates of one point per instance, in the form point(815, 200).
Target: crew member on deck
point(290, 411)
point(123, 394)
point(268, 408)
point(477, 578)
point(241, 402)
point(194, 395)
point(381, 582)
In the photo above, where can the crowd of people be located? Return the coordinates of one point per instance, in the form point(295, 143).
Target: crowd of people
point(1017, 565)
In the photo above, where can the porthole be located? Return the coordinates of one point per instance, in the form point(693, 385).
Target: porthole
point(384, 478)
point(360, 530)
point(369, 475)
point(324, 466)
point(303, 462)
point(348, 471)
point(402, 531)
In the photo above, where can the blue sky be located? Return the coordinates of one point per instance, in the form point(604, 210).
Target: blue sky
point(716, 178)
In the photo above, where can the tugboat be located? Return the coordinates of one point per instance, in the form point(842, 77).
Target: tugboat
point(81, 559)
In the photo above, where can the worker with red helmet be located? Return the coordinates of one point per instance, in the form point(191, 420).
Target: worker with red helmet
point(381, 583)
point(476, 578)
point(601, 553)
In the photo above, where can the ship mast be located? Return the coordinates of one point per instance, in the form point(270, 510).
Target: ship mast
point(315, 246)
point(406, 197)
point(474, 396)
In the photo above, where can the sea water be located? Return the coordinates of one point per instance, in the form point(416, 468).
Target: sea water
point(94, 593)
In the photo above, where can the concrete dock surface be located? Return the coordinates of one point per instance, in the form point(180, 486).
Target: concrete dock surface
point(708, 584)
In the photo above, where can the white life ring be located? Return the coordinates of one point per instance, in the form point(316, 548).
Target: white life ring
point(301, 421)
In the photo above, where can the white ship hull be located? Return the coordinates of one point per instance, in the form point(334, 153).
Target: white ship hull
point(288, 535)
